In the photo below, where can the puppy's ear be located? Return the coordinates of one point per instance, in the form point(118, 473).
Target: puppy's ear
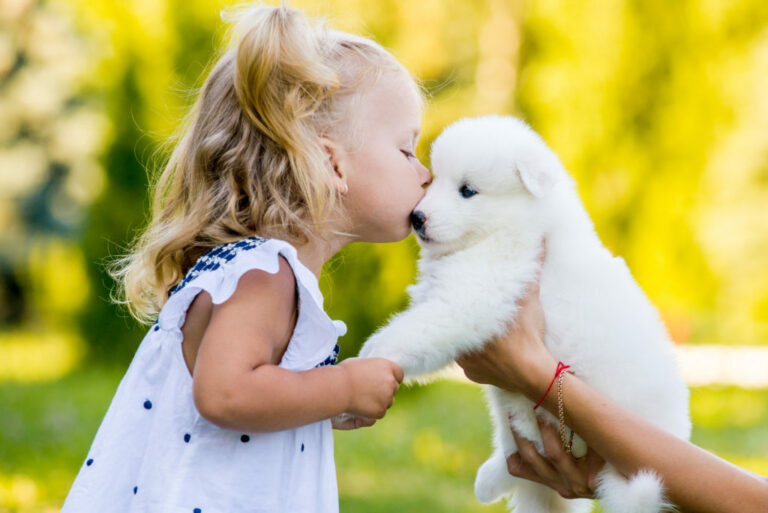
point(539, 175)
point(534, 180)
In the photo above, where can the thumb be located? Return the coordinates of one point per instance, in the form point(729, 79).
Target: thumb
point(397, 371)
point(543, 252)
point(534, 286)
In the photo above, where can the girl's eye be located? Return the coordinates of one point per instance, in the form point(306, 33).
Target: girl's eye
point(408, 154)
point(466, 191)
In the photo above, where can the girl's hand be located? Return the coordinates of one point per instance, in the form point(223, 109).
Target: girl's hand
point(372, 385)
point(570, 477)
point(346, 421)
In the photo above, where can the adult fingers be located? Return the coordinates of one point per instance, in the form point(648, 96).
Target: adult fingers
point(543, 253)
point(593, 463)
point(530, 455)
point(573, 475)
point(518, 467)
point(534, 286)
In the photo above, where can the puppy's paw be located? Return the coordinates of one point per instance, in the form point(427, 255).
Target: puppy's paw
point(375, 347)
point(493, 480)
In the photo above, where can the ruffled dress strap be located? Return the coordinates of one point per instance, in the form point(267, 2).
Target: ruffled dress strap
point(313, 342)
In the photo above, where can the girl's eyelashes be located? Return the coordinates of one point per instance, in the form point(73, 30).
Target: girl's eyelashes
point(408, 154)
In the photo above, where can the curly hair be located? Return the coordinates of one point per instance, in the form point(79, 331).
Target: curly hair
point(248, 158)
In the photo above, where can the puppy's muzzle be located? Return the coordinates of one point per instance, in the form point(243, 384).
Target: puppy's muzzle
point(418, 220)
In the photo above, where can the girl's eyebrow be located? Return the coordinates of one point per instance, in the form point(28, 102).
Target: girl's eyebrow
point(414, 135)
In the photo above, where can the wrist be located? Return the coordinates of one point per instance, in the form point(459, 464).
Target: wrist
point(539, 376)
point(345, 391)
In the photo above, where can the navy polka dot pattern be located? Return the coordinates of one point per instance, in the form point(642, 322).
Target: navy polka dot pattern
point(155, 433)
point(217, 256)
point(331, 360)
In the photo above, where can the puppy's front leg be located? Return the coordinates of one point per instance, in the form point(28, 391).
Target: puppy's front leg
point(433, 332)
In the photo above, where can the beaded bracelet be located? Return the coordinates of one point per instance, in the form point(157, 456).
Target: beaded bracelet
point(567, 445)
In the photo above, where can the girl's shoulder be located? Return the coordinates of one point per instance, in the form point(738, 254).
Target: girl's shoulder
point(219, 271)
point(221, 267)
point(216, 257)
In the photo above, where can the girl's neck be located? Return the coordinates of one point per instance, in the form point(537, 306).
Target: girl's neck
point(316, 252)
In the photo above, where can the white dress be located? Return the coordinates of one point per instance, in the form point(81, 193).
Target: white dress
point(154, 452)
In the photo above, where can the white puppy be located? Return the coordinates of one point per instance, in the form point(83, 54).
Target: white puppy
point(498, 191)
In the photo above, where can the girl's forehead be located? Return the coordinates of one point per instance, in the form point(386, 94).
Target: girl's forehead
point(394, 101)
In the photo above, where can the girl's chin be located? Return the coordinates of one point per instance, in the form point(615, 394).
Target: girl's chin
point(390, 233)
point(399, 234)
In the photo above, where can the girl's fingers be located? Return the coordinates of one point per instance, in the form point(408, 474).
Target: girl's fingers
point(572, 474)
point(351, 422)
point(364, 422)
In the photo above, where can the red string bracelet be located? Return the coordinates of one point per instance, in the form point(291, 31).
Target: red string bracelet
point(560, 368)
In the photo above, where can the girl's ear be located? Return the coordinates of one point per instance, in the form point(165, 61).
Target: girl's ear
point(337, 163)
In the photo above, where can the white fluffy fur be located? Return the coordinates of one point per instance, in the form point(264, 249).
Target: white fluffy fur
point(477, 257)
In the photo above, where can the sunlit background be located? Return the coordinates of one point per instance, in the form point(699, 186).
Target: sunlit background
point(659, 110)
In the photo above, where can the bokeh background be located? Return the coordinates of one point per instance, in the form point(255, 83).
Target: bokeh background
point(659, 109)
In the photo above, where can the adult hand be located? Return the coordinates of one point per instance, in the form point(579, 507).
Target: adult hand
point(518, 359)
point(570, 477)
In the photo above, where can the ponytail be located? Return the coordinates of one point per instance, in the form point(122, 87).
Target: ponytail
point(248, 159)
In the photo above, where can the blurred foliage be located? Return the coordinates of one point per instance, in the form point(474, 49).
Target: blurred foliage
point(664, 130)
point(657, 109)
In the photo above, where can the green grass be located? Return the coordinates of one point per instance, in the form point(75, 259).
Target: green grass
point(421, 457)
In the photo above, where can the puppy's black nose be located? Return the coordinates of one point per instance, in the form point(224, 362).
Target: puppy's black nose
point(418, 219)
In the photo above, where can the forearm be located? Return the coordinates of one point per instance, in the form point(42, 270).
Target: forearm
point(694, 479)
point(271, 398)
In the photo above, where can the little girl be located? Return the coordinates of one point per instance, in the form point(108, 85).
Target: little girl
point(300, 142)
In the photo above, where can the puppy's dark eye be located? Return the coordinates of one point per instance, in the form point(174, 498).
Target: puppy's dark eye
point(466, 191)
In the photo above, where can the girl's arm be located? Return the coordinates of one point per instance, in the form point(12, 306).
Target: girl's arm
point(237, 384)
point(695, 480)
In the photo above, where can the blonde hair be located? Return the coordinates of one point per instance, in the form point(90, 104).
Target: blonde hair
point(248, 159)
